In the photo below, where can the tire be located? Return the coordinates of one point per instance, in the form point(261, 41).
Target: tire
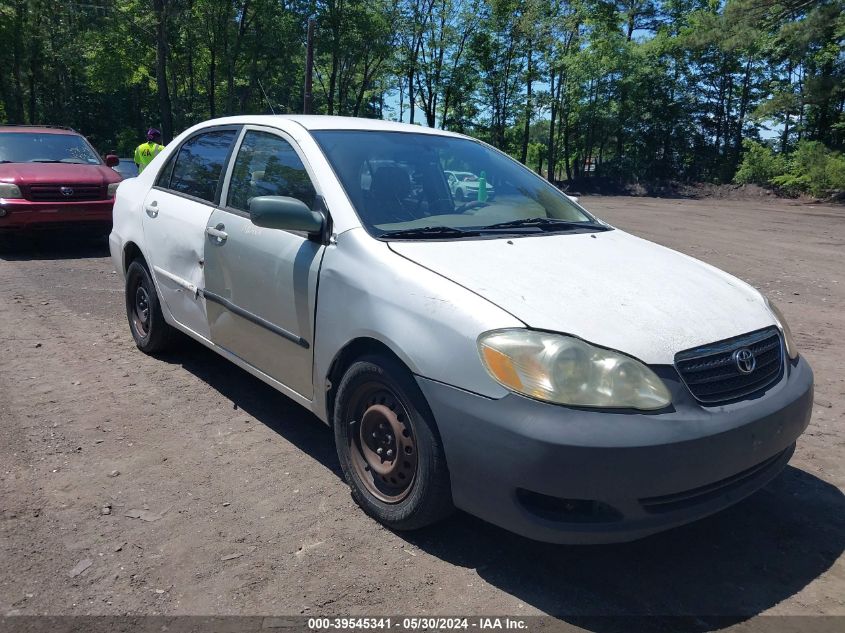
point(378, 404)
point(151, 332)
point(459, 195)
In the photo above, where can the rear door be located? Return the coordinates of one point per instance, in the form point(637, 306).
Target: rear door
point(176, 213)
point(261, 284)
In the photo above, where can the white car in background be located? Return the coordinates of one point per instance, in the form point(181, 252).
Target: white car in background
point(464, 185)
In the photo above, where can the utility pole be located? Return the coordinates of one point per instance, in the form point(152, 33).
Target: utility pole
point(309, 68)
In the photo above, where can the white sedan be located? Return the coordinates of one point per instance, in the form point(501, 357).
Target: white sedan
point(514, 357)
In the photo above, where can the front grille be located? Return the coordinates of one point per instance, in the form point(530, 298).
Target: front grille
point(53, 193)
point(713, 376)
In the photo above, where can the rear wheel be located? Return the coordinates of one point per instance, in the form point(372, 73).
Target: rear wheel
point(389, 447)
point(151, 332)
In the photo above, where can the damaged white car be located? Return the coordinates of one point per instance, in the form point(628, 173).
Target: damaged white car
point(507, 354)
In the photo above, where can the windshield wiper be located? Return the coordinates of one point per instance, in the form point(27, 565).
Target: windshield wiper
point(44, 160)
point(429, 232)
point(546, 224)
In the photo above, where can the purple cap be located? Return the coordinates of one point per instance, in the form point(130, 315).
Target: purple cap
point(153, 133)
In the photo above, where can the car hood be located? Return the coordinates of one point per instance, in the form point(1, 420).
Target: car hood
point(609, 288)
point(57, 173)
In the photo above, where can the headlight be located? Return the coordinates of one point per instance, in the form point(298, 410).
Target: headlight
point(9, 191)
point(566, 370)
point(113, 189)
point(791, 348)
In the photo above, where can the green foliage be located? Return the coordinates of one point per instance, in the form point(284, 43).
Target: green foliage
point(760, 165)
point(626, 90)
point(813, 169)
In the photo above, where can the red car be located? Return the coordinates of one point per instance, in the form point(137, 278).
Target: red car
point(51, 177)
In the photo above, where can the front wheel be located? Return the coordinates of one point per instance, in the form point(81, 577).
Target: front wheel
point(151, 332)
point(389, 447)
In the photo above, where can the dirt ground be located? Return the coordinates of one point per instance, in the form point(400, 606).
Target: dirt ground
point(182, 485)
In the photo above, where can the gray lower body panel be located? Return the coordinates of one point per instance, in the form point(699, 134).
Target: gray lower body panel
point(566, 475)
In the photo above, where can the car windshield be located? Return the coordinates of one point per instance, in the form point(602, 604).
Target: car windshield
point(35, 147)
point(411, 186)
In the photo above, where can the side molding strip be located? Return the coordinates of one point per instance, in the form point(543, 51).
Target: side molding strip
point(254, 318)
point(187, 285)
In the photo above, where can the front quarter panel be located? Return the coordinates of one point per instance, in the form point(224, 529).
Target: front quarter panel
point(432, 324)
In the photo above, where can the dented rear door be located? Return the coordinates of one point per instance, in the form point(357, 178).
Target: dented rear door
point(176, 213)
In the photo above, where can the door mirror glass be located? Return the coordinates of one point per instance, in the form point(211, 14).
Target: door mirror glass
point(283, 212)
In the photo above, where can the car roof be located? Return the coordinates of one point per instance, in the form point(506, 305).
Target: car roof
point(38, 129)
point(314, 122)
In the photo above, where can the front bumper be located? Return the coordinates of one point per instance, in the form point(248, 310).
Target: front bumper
point(25, 214)
point(567, 475)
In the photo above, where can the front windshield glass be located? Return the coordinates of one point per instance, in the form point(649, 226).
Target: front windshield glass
point(34, 147)
point(405, 183)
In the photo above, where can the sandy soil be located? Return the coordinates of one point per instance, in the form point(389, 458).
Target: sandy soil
point(182, 485)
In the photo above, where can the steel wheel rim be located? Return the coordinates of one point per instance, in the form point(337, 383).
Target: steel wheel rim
point(381, 442)
point(141, 311)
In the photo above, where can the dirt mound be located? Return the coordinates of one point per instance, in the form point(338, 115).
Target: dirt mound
point(727, 192)
point(673, 189)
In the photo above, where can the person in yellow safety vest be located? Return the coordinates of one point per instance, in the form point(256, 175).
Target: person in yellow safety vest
point(145, 152)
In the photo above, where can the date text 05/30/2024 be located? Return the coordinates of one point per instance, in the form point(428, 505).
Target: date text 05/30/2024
point(417, 624)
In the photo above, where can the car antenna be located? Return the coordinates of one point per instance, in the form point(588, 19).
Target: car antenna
point(265, 96)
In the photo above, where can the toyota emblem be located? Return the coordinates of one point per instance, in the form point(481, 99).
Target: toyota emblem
point(66, 191)
point(745, 361)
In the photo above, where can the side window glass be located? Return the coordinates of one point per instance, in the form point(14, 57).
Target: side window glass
point(200, 163)
point(163, 178)
point(267, 165)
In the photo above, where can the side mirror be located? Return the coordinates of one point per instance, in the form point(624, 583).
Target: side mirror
point(112, 160)
point(282, 212)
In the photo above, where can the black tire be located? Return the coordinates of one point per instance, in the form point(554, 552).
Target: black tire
point(459, 195)
point(151, 332)
point(369, 387)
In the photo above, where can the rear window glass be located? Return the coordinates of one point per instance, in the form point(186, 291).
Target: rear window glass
point(199, 164)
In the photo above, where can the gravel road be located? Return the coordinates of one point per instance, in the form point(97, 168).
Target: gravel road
point(182, 485)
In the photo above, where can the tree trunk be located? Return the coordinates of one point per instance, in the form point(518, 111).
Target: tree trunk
point(411, 97)
point(34, 66)
point(563, 124)
point(212, 83)
point(232, 65)
point(18, 114)
point(550, 153)
point(526, 130)
point(160, 8)
point(743, 109)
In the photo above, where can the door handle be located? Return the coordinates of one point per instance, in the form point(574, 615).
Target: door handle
point(152, 209)
point(217, 233)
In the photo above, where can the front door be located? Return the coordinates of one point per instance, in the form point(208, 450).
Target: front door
point(176, 213)
point(261, 284)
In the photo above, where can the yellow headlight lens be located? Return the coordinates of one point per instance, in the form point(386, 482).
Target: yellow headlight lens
point(566, 370)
